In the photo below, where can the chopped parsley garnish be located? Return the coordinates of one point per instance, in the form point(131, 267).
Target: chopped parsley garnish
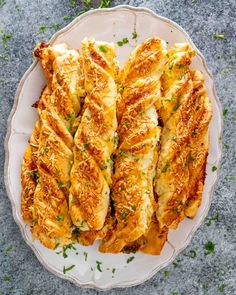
point(181, 76)
point(221, 288)
point(5, 37)
point(102, 48)
point(68, 268)
point(103, 167)
point(9, 249)
point(134, 35)
point(166, 273)
point(60, 217)
point(113, 270)
point(220, 36)
point(85, 256)
point(35, 221)
point(86, 145)
point(33, 174)
point(65, 248)
point(67, 17)
point(225, 112)
point(192, 254)
point(2, 3)
point(130, 259)
point(181, 66)
point(121, 89)
point(124, 41)
point(190, 159)
point(174, 138)
point(209, 247)
point(60, 184)
point(116, 139)
point(42, 29)
point(99, 263)
point(213, 218)
point(134, 207)
point(45, 149)
point(214, 168)
point(136, 158)
point(175, 108)
point(72, 3)
point(226, 146)
point(167, 165)
point(126, 124)
point(104, 3)
point(55, 26)
point(7, 278)
point(123, 214)
point(175, 264)
point(122, 152)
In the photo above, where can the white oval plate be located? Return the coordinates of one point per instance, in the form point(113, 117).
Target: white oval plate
point(109, 25)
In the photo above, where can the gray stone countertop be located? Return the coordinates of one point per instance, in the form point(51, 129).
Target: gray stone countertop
point(22, 24)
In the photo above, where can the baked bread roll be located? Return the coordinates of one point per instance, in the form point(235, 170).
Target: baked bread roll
point(51, 220)
point(95, 139)
point(132, 190)
point(182, 117)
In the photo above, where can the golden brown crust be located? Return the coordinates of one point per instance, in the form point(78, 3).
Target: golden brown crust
point(51, 220)
point(29, 175)
point(132, 190)
point(94, 139)
point(184, 127)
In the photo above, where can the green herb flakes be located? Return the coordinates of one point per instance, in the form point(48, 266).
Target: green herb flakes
point(60, 217)
point(86, 145)
point(105, 3)
point(99, 263)
point(165, 168)
point(209, 247)
point(166, 273)
point(221, 288)
point(42, 29)
point(45, 149)
point(214, 168)
point(219, 36)
point(134, 35)
point(124, 41)
point(212, 218)
point(67, 17)
point(192, 254)
point(175, 108)
point(5, 37)
point(8, 249)
point(2, 3)
point(102, 48)
point(113, 270)
point(85, 256)
point(60, 184)
point(123, 214)
point(130, 259)
point(225, 112)
point(7, 278)
point(68, 268)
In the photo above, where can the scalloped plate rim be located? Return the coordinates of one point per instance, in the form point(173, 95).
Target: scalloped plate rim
point(9, 133)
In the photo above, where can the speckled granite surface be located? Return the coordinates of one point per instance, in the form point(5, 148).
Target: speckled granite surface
point(31, 21)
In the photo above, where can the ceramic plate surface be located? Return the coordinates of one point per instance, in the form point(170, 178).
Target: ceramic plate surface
point(108, 25)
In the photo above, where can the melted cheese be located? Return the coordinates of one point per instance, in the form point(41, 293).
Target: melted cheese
point(132, 192)
point(94, 139)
